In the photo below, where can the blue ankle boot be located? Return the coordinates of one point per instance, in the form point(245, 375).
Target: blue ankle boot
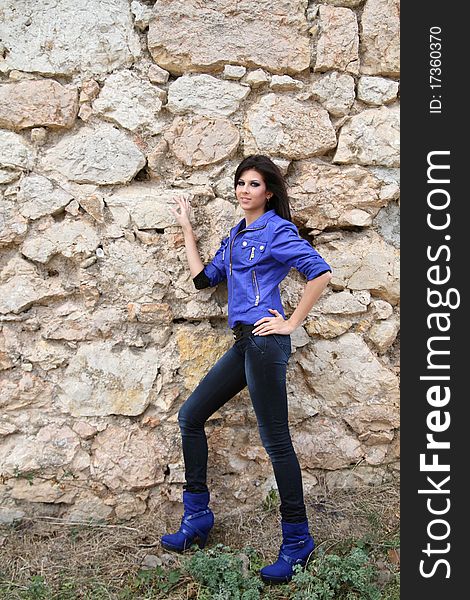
point(297, 546)
point(196, 523)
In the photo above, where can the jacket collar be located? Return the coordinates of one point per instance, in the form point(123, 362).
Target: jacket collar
point(259, 222)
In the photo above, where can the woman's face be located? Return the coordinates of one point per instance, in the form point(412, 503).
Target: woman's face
point(251, 191)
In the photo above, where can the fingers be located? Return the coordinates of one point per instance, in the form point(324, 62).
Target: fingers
point(269, 325)
point(183, 200)
point(183, 206)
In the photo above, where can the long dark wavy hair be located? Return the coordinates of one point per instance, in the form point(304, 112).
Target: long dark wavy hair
point(273, 179)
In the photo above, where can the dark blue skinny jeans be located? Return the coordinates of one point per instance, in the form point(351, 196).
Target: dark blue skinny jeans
point(261, 363)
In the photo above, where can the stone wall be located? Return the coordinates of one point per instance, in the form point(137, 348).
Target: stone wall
point(108, 109)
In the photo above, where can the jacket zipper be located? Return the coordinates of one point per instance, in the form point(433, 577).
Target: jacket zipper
point(255, 282)
point(231, 245)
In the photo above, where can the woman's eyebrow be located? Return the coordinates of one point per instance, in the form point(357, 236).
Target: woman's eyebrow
point(252, 180)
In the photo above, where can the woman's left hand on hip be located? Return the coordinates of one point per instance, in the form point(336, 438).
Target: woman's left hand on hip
point(276, 324)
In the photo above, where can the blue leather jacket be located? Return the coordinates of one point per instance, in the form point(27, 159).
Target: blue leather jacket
point(254, 260)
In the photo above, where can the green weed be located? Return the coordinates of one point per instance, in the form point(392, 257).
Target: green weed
point(221, 572)
point(334, 577)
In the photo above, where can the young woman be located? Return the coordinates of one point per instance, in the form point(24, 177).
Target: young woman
point(254, 258)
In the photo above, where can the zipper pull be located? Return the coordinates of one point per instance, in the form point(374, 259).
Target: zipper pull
point(255, 282)
point(252, 255)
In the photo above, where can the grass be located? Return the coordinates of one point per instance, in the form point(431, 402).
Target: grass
point(357, 555)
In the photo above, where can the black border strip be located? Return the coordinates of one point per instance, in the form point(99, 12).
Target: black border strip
point(433, 127)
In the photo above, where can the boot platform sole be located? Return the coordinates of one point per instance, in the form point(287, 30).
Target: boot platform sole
point(168, 546)
point(286, 579)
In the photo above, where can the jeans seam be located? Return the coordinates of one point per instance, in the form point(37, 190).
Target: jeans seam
point(287, 353)
point(256, 345)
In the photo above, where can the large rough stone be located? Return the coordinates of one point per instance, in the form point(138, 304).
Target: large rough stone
point(343, 303)
point(370, 420)
point(71, 238)
point(338, 44)
point(147, 205)
point(281, 125)
point(383, 333)
point(327, 326)
point(150, 312)
point(364, 262)
point(132, 281)
point(348, 3)
point(382, 310)
point(233, 72)
point(345, 372)
point(335, 92)
point(205, 37)
point(256, 78)
point(129, 505)
point(58, 39)
point(376, 90)
point(387, 223)
point(24, 390)
point(52, 447)
point(157, 75)
point(15, 153)
point(199, 348)
point(357, 477)
point(205, 95)
point(76, 325)
point(202, 141)
point(218, 216)
point(285, 83)
point(7, 176)
point(33, 348)
point(102, 155)
point(94, 206)
point(128, 458)
point(380, 38)
point(130, 101)
point(13, 226)
point(390, 178)
point(325, 195)
point(371, 137)
point(325, 443)
point(10, 515)
point(88, 508)
point(39, 196)
point(37, 490)
point(42, 103)
point(102, 381)
point(21, 287)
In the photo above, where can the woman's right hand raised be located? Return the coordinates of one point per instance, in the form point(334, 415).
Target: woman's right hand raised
point(183, 205)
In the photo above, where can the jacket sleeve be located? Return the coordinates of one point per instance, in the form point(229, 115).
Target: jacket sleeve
point(289, 248)
point(214, 272)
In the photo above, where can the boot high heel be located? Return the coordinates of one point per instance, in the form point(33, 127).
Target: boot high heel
point(197, 521)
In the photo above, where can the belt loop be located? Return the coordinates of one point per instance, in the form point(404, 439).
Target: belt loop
point(242, 329)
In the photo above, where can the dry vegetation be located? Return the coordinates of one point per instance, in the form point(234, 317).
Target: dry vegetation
point(100, 561)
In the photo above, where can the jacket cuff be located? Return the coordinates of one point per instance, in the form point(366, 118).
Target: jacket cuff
point(321, 273)
point(201, 280)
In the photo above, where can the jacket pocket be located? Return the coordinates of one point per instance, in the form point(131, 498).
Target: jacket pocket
point(252, 251)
